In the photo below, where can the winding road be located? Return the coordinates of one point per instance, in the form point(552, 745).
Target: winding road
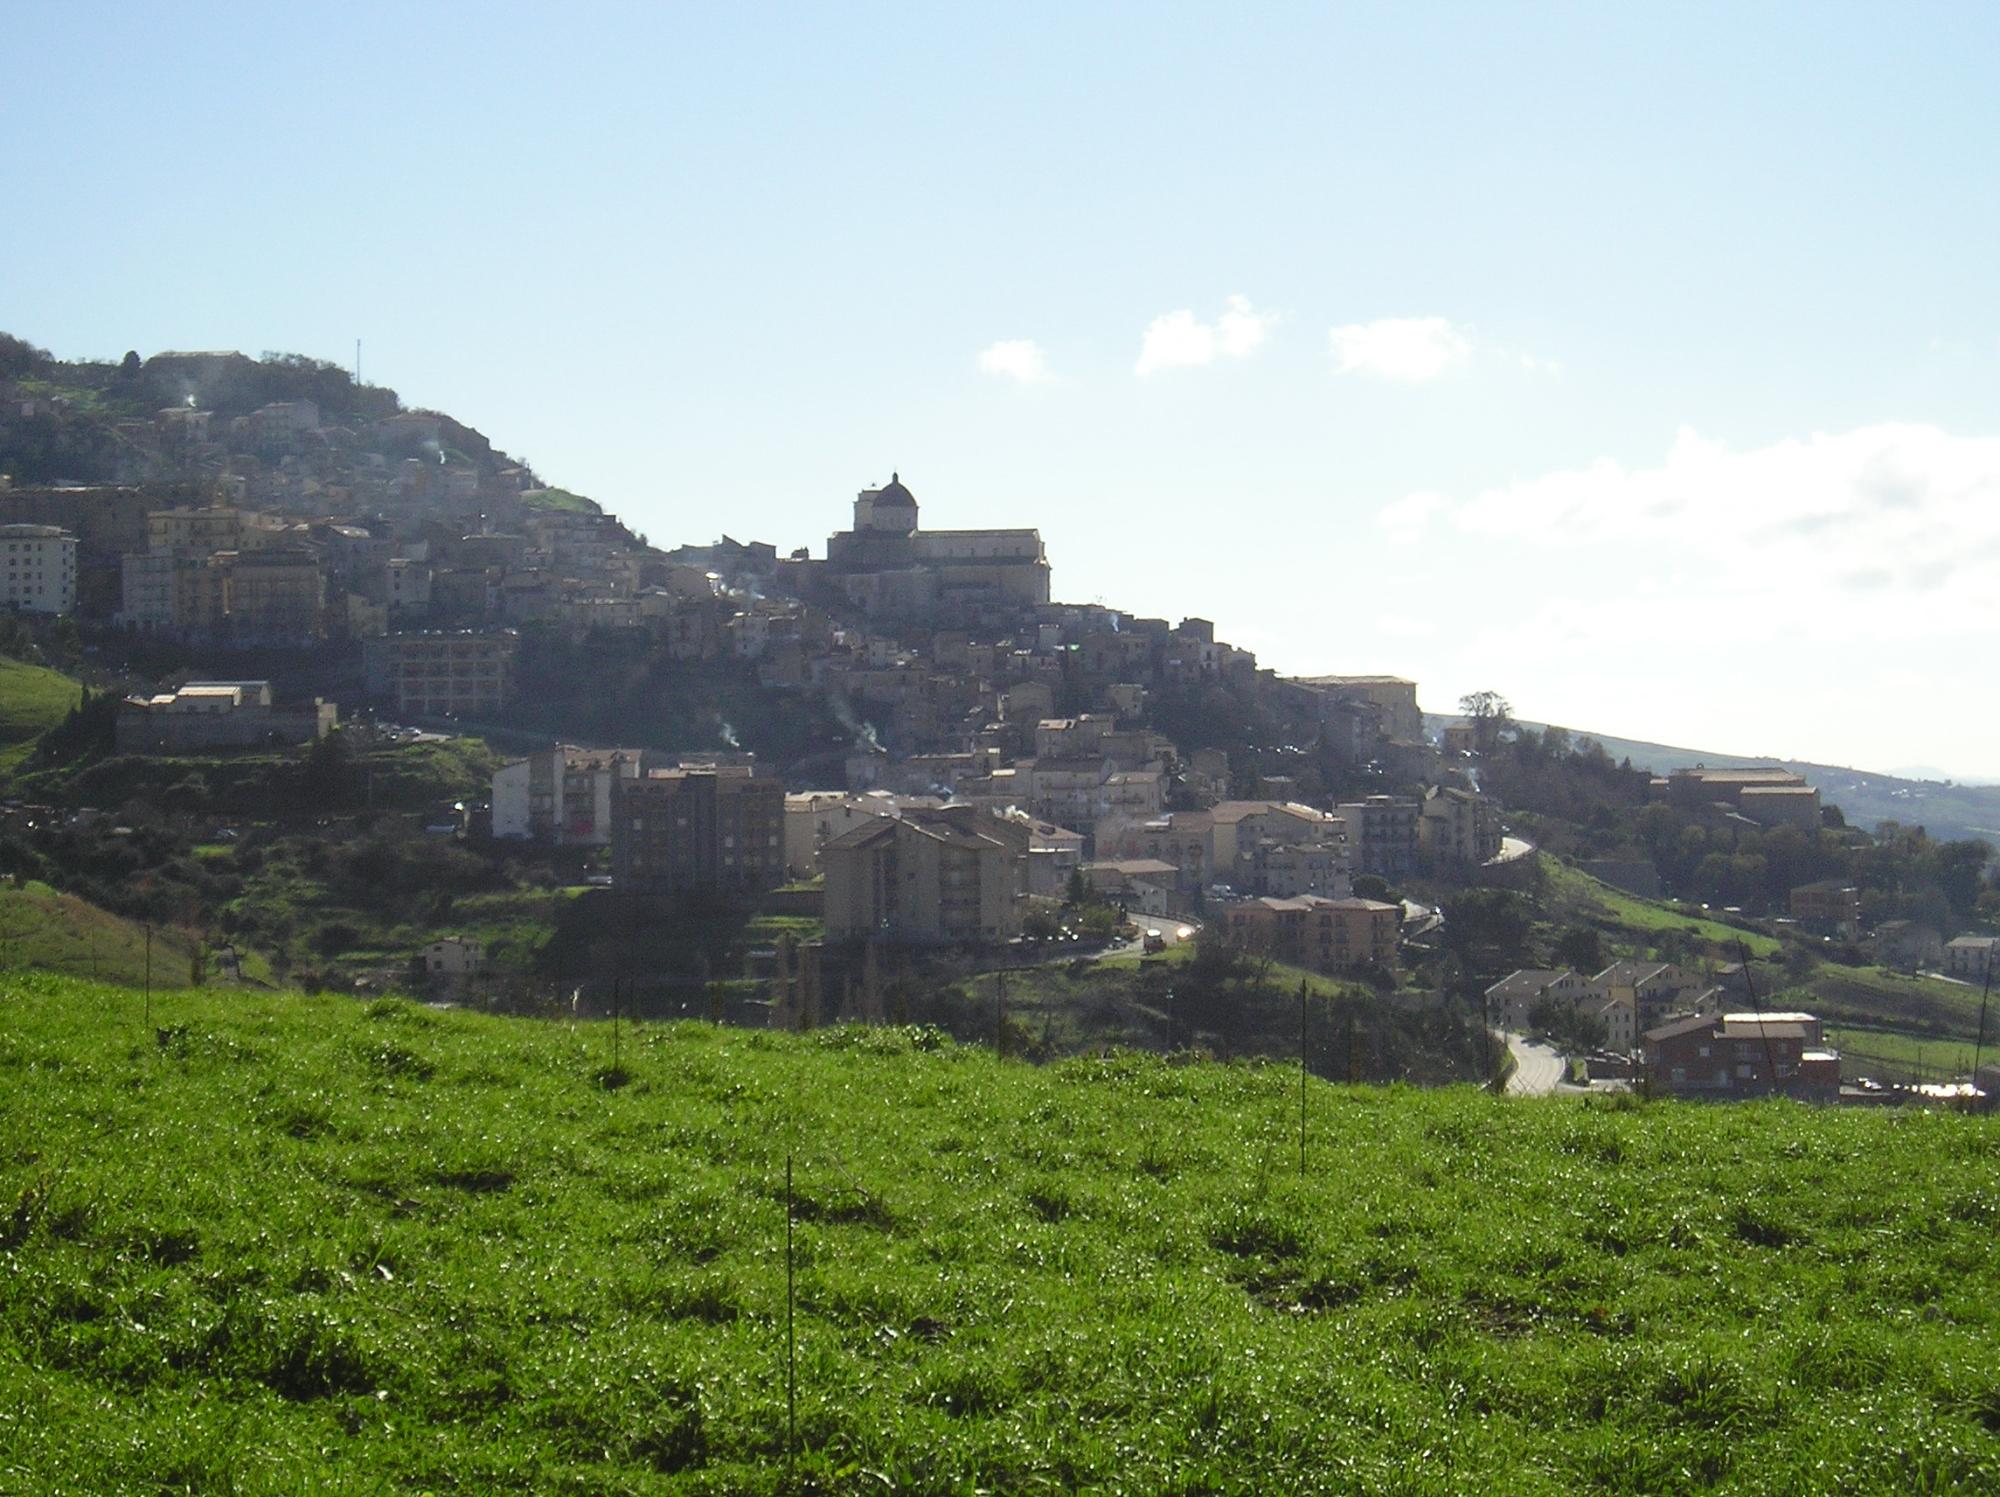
point(1538, 1069)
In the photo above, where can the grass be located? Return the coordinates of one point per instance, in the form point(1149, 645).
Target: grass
point(289, 1244)
point(1888, 1055)
point(33, 699)
point(1606, 905)
point(1924, 1007)
point(558, 499)
point(40, 928)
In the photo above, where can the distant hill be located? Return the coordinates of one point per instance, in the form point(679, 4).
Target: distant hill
point(1949, 812)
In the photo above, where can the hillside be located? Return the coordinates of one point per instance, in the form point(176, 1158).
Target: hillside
point(284, 1243)
point(40, 927)
point(1947, 811)
point(33, 699)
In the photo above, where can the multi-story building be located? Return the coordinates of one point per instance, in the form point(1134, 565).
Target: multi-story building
point(1972, 957)
point(1383, 831)
point(561, 795)
point(1742, 1055)
point(442, 674)
point(697, 829)
point(37, 569)
point(1510, 1000)
point(1288, 869)
point(1393, 698)
point(1653, 990)
point(272, 596)
point(924, 878)
point(1828, 907)
point(1327, 935)
point(1457, 829)
point(202, 532)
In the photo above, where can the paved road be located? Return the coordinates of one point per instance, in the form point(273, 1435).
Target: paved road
point(1538, 1069)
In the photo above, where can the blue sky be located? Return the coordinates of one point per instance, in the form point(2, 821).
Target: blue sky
point(1638, 362)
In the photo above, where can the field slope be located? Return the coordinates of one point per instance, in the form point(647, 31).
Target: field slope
point(275, 1244)
point(33, 699)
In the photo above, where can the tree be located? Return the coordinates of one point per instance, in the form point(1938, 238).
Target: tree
point(1489, 712)
point(129, 366)
point(1580, 949)
point(1078, 893)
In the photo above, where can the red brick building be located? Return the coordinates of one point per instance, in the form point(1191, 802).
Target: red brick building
point(1742, 1055)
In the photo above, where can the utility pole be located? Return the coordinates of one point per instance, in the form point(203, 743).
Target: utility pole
point(1985, 993)
point(1302, 1078)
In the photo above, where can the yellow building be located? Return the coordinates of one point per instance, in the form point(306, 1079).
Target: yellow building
point(1327, 935)
point(925, 878)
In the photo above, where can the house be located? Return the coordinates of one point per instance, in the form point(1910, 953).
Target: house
point(1972, 957)
point(1828, 907)
point(1145, 886)
point(1742, 1055)
point(923, 878)
point(451, 959)
point(1511, 1000)
point(1327, 935)
point(1907, 945)
point(1653, 990)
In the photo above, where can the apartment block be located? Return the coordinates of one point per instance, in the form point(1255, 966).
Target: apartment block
point(697, 829)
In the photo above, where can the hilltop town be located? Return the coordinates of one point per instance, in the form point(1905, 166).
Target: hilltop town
point(897, 757)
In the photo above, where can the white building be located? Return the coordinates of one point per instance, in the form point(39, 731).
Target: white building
point(37, 569)
point(451, 958)
point(561, 795)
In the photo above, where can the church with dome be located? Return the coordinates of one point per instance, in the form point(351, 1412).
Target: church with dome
point(889, 566)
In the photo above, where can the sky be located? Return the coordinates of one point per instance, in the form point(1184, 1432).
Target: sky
point(1640, 363)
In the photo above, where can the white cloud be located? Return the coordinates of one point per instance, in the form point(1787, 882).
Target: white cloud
point(1177, 340)
point(1883, 532)
point(1404, 520)
point(1018, 359)
point(1408, 350)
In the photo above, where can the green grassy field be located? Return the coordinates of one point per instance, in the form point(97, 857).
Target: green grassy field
point(1575, 893)
point(278, 1244)
point(61, 933)
point(32, 700)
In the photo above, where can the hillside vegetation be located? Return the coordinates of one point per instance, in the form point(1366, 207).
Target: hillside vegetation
point(40, 927)
point(33, 699)
point(275, 1244)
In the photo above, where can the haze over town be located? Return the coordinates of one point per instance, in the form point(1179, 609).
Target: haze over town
point(1639, 366)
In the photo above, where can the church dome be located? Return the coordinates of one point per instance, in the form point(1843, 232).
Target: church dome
point(893, 492)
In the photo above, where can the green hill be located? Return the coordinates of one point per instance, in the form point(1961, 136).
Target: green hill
point(61, 933)
point(33, 699)
point(275, 1244)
